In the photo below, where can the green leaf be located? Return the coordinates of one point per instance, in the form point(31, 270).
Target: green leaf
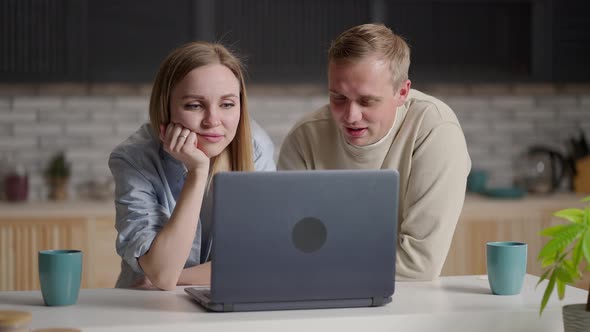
point(573, 215)
point(560, 289)
point(564, 275)
point(587, 216)
point(547, 293)
point(551, 231)
point(547, 261)
point(586, 245)
point(585, 199)
point(561, 240)
point(577, 254)
point(572, 269)
point(543, 277)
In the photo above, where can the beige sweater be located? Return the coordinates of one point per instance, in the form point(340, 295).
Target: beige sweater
point(427, 147)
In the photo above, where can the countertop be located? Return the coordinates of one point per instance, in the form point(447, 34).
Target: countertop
point(58, 209)
point(462, 303)
point(475, 205)
point(529, 207)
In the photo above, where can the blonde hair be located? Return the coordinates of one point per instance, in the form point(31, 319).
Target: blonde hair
point(366, 40)
point(237, 156)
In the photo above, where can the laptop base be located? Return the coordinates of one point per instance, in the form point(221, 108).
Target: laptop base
point(200, 295)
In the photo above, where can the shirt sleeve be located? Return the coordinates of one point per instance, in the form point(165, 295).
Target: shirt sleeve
point(432, 203)
point(263, 149)
point(139, 216)
point(290, 157)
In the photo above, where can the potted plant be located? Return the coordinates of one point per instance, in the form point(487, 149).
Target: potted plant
point(566, 257)
point(58, 175)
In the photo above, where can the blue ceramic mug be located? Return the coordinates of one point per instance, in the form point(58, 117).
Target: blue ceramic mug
point(477, 180)
point(506, 263)
point(60, 274)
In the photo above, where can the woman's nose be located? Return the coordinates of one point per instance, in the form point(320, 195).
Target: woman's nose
point(212, 118)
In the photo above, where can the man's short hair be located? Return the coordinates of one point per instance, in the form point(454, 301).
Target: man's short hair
point(366, 40)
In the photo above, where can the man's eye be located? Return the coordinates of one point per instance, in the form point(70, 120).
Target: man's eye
point(338, 98)
point(368, 102)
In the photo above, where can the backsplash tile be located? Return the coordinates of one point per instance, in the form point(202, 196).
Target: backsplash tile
point(87, 122)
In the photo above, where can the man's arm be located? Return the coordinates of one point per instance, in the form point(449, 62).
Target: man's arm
point(432, 203)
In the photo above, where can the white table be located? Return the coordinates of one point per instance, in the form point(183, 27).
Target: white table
point(462, 303)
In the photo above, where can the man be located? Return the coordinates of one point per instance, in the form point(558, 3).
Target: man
point(375, 121)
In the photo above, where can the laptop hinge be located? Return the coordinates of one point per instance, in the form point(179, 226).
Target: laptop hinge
point(228, 307)
point(376, 301)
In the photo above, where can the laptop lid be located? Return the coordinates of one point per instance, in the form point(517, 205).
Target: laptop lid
point(304, 235)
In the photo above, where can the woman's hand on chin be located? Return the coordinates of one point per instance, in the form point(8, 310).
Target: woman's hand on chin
point(181, 143)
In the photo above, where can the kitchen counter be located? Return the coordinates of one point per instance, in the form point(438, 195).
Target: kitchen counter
point(55, 209)
point(486, 219)
point(475, 205)
point(28, 227)
point(448, 304)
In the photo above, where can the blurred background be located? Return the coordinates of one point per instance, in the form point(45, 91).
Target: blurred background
point(75, 79)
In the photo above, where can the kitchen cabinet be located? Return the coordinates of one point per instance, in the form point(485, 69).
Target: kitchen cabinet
point(484, 220)
point(27, 228)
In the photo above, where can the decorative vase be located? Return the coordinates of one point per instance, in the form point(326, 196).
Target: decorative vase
point(576, 318)
point(16, 187)
point(58, 189)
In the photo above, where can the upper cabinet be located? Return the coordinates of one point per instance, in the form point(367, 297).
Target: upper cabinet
point(287, 41)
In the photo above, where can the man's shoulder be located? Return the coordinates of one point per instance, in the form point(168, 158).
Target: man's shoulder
point(313, 121)
point(429, 110)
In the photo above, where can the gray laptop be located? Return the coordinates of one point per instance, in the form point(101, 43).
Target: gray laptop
point(302, 240)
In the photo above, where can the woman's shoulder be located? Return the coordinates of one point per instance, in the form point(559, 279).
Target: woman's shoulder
point(263, 148)
point(260, 137)
point(141, 143)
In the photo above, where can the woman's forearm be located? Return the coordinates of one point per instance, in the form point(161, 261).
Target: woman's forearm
point(196, 275)
point(164, 262)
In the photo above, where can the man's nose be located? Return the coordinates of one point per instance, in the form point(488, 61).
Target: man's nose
point(353, 113)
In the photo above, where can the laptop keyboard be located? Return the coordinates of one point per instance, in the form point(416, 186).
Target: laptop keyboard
point(206, 294)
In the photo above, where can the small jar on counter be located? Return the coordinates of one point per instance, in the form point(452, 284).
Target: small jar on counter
point(16, 183)
point(15, 321)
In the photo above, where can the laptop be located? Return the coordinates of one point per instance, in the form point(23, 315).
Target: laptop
point(302, 240)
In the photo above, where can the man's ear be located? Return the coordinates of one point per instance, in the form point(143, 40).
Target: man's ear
point(404, 92)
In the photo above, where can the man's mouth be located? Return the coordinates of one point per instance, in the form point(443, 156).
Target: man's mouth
point(356, 132)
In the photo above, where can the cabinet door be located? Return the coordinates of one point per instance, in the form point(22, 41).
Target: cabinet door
point(22, 239)
point(467, 255)
point(106, 264)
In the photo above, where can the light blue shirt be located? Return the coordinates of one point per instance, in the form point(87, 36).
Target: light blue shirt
point(148, 182)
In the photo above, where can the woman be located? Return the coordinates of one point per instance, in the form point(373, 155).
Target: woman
point(199, 125)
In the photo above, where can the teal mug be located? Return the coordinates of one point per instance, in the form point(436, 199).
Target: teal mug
point(477, 180)
point(60, 274)
point(506, 263)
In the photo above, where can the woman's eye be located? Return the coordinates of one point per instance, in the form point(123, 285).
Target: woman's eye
point(192, 106)
point(227, 105)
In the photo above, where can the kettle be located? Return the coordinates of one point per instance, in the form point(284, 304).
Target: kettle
point(542, 169)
